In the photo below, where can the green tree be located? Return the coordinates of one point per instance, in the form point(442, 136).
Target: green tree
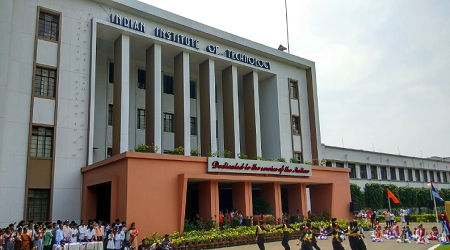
point(373, 193)
point(408, 196)
point(357, 194)
point(423, 196)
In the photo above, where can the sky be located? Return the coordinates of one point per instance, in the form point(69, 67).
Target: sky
point(382, 67)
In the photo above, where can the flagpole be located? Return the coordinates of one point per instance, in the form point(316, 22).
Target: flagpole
point(435, 210)
point(389, 201)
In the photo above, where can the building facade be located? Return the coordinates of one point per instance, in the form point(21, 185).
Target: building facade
point(375, 167)
point(84, 80)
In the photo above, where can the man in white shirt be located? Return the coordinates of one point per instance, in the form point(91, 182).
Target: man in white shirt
point(74, 233)
point(61, 245)
point(66, 231)
point(81, 231)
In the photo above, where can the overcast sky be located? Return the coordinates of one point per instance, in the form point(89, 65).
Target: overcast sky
point(382, 67)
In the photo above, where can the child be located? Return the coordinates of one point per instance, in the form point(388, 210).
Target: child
point(386, 232)
point(434, 234)
point(378, 237)
point(323, 233)
point(361, 231)
point(37, 238)
point(1, 238)
point(8, 237)
point(422, 236)
point(404, 237)
point(117, 238)
point(110, 245)
point(396, 230)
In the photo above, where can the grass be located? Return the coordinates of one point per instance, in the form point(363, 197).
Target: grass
point(443, 247)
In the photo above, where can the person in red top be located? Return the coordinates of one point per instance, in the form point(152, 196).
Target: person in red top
point(370, 216)
point(220, 219)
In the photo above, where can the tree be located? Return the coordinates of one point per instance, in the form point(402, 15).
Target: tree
point(408, 196)
point(374, 195)
point(357, 195)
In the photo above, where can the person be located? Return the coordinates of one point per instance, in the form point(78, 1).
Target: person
point(361, 231)
point(408, 213)
point(358, 242)
point(8, 237)
point(81, 231)
point(128, 246)
point(99, 231)
point(48, 237)
point(117, 238)
point(310, 227)
point(143, 245)
point(386, 232)
point(89, 236)
point(404, 237)
point(421, 235)
point(336, 232)
point(61, 245)
point(156, 246)
point(122, 233)
point(59, 234)
point(260, 235)
point(323, 233)
point(370, 217)
point(364, 215)
point(377, 215)
point(37, 238)
point(166, 244)
point(433, 234)
point(392, 218)
point(220, 219)
point(111, 245)
point(18, 238)
point(387, 218)
point(73, 232)
point(126, 234)
point(286, 235)
point(395, 230)
point(26, 237)
point(377, 236)
point(66, 231)
point(133, 236)
point(403, 215)
point(306, 239)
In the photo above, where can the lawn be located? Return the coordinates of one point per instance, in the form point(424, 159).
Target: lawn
point(443, 247)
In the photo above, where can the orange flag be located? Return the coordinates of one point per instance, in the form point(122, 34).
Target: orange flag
point(392, 196)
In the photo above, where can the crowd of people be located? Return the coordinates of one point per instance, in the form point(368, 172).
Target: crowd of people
point(62, 234)
point(373, 216)
point(406, 235)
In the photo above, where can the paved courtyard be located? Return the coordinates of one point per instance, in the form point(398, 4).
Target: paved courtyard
point(326, 244)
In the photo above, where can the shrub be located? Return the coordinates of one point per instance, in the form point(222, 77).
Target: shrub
point(261, 207)
point(143, 148)
point(213, 154)
point(294, 160)
point(281, 160)
point(228, 154)
point(259, 158)
point(178, 151)
point(242, 156)
point(195, 152)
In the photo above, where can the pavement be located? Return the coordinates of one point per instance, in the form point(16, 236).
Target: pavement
point(326, 244)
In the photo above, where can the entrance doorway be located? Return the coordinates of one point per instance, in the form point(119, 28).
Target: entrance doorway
point(192, 206)
point(225, 197)
point(103, 202)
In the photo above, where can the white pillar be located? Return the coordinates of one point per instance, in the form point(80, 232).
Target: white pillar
point(182, 114)
point(90, 150)
point(121, 101)
point(153, 99)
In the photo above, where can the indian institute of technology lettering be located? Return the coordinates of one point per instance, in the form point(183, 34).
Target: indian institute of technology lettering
point(187, 41)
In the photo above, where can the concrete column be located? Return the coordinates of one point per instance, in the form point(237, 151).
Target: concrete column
point(271, 192)
point(182, 103)
point(208, 196)
point(251, 114)
point(242, 197)
point(153, 113)
point(121, 99)
point(207, 87)
point(321, 198)
point(231, 110)
point(297, 198)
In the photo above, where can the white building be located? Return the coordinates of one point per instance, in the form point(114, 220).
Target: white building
point(72, 70)
point(383, 168)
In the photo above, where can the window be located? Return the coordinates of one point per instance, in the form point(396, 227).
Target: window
point(44, 82)
point(110, 115)
point(108, 152)
point(383, 173)
point(193, 125)
point(328, 164)
point(168, 122)
point(48, 26)
point(111, 72)
point(438, 175)
point(339, 164)
point(431, 176)
point(294, 89)
point(393, 174)
point(298, 156)
point(295, 125)
point(374, 172)
point(363, 171)
point(410, 175)
point(417, 172)
point(401, 174)
point(141, 119)
point(193, 90)
point(425, 176)
point(41, 142)
point(444, 175)
point(352, 170)
point(141, 79)
point(38, 204)
point(168, 84)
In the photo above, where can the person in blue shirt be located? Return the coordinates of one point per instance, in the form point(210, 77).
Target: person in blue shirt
point(59, 236)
